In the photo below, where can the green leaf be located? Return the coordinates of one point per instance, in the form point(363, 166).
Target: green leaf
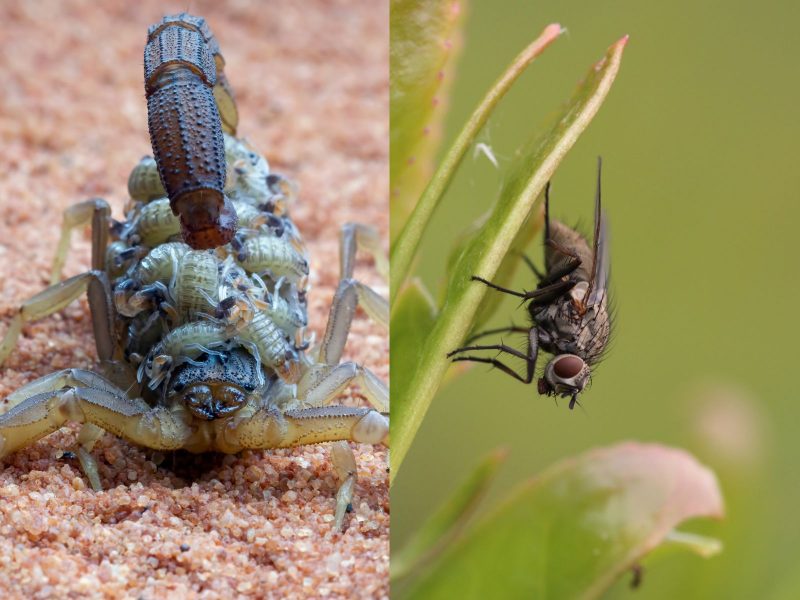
point(508, 268)
point(411, 397)
point(405, 245)
point(449, 520)
point(699, 544)
point(411, 323)
point(573, 531)
point(425, 42)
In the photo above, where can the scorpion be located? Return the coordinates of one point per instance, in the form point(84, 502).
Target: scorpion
point(198, 298)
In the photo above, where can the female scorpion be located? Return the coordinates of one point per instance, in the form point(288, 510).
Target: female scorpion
point(201, 349)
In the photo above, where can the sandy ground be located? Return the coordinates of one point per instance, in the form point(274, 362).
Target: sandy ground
point(312, 86)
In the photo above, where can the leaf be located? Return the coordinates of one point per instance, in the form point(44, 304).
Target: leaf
point(411, 397)
point(412, 321)
point(425, 43)
point(405, 245)
point(699, 544)
point(508, 268)
point(573, 531)
point(448, 521)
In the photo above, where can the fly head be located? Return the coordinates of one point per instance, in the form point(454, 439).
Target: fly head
point(566, 375)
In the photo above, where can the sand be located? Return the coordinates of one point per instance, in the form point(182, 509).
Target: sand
point(311, 80)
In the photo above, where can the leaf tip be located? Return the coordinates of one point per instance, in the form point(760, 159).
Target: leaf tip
point(554, 30)
point(499, 455)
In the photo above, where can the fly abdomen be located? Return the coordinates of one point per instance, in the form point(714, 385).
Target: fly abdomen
point(185, 130)
point(567, 239)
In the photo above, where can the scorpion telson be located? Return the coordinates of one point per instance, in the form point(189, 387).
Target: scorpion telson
point(182, 67)
point(568, 309)
point(202, 349)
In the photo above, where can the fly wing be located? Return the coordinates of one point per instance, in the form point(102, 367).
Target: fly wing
point(598, 286)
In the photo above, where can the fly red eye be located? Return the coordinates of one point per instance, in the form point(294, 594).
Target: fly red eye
point(568, 367)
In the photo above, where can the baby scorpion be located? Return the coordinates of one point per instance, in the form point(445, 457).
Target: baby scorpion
point(202, 350)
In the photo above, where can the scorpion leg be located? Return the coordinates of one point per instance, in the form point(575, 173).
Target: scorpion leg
point(95, 211)
point(57, 297)
point(76, 395)
point(54, 298)
point(324, 381)
point(351, 292)
point(354, 236)
point(271, 428)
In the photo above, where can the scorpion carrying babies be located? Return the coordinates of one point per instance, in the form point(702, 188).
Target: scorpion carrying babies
point(198, 298)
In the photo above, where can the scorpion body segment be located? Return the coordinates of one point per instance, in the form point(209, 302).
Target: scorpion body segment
point(196, 284)
point(268, 343)
point(144, 182)
point(223, 94)
point(159, 264)
point(262, 253)
point(182, 344)
point(185, 129)
point(156, 223)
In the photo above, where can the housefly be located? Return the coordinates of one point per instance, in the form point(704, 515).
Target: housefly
point(569, 310)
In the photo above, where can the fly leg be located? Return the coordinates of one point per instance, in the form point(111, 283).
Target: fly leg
point(79, 396)
point(526, 259)
point(511, 329)
point(95, 211)
point(567, 266)
point(529, 357)
point(539, 295)
point(571, 263)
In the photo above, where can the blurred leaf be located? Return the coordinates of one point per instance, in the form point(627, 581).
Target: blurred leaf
point(444, 525)
point(699, 544)
point(411, 323)
point(412, 396)
point(425, 42)
point(405, 245)
point(788, 588)
point(573, 531)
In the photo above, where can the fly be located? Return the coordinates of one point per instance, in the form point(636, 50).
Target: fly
point(569, 312)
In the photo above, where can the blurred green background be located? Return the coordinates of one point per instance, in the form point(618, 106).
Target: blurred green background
point(700, 144)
